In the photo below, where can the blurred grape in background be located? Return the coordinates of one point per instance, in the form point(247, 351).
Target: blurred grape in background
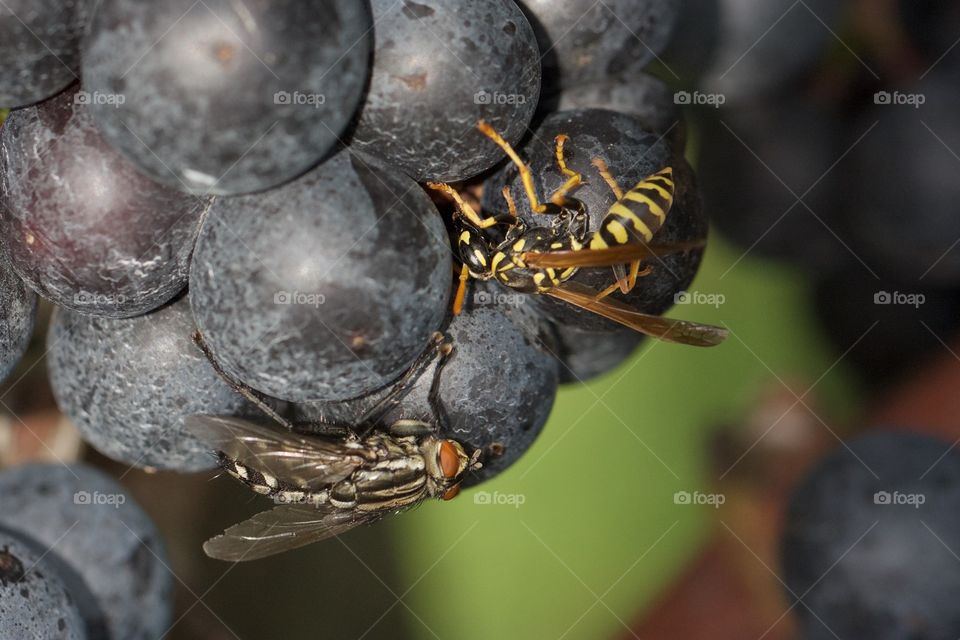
point(259, 171)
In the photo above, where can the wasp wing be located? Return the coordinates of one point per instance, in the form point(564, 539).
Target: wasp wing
point(607, 257)
point(667, 329)
point(305, 461)
point(283, 528)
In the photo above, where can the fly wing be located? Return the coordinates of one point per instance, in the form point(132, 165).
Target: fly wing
point(607, 257)
point(283, 528)
point(667, 329)
point(309, 462)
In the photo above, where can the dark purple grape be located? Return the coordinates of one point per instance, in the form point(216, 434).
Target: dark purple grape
point(934, 28)
point(885, 329)
point(632, 154)
point(766, 44)
point(583, 40)
point(327, 288)
point(34, 601)
point(642, 96)
point(82, 227)
point(496, 389)
point(89, 522)
point(39, 47)
point(757, 159)
point(224, 97)
point(585, 355)
point(439, 67)
point(903, 210)
point(18, 313)
point(127, 384)
point(696, 36)
point(870, 541)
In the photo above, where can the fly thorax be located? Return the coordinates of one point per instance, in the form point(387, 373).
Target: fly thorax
point(395, 478)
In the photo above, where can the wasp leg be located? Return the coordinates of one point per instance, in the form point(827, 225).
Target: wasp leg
point(466, 210)
point(525, 176)
point(438, 349)
point(574, 179)
point(626, 284)
point(461, 290)
point(631, 281)
point(511, 205)
point(247, 392)
point(608, 177)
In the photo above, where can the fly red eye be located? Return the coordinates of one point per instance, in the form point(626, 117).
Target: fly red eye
point(449, 459)
point(452, 492)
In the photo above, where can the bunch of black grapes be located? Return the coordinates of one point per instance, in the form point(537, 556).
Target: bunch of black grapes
point(256, 176)
point(828, 143)
point(840, 160)
point(871, 538)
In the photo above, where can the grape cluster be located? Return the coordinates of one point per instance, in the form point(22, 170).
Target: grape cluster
point(837, 161)
point(230, 210)
point(277, 177)
point(843, 167)
point(92, 540)
point(869, 538)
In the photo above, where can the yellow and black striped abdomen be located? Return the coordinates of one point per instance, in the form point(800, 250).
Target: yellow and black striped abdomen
point(639, 214)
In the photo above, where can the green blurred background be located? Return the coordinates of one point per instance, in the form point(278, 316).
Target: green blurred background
point(598, 534)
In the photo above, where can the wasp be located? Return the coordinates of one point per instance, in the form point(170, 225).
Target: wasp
point(543, 259)
point(346, 476)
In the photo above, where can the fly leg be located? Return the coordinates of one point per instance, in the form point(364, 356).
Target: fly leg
point(436, 402)
point(312, 427)
point(439, 350)
point(251, 394)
